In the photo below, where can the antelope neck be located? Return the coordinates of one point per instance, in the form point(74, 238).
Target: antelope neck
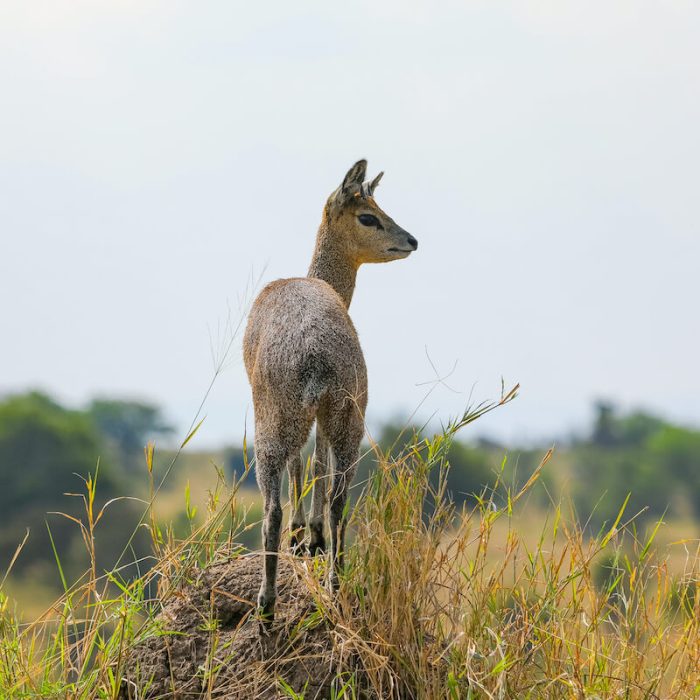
point(331, 263)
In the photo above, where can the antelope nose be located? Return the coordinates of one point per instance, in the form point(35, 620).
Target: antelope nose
point(412, 241)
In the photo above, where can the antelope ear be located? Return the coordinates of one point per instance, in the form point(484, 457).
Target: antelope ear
point(354, 178)
point(375, 182)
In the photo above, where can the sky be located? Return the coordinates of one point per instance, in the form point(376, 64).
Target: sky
point(162, 161)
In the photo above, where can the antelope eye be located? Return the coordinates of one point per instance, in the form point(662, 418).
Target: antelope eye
point(369, 220)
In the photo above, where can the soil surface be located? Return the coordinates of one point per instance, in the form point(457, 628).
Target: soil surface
point(210, 643)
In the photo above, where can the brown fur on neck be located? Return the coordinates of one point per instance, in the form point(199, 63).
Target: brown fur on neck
point(332, 260)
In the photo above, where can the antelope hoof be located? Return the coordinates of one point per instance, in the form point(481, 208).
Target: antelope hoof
point(297, 544)
point(317, 549)
point(266, 612)
point(318, 542)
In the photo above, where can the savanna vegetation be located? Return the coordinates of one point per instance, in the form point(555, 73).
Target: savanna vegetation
point(474, 571)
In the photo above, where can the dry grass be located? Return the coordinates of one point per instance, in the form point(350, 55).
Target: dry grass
point(434, 603)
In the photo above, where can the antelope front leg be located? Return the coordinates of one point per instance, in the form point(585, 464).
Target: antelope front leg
point(297, 525)
point(320, 494)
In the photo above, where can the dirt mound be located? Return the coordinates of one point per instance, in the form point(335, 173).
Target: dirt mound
point(208, 640)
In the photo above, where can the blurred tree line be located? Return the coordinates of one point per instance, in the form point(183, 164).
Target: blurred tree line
point(47, 450)
point(658, 463)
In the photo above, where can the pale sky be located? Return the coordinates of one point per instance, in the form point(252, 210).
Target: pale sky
point(156, 155)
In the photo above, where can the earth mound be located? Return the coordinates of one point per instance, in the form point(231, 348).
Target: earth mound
point(208, 640)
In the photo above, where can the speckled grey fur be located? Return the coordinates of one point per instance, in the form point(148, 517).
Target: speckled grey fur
point(304, 363)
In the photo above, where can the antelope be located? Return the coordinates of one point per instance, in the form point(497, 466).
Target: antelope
point(304, 363)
